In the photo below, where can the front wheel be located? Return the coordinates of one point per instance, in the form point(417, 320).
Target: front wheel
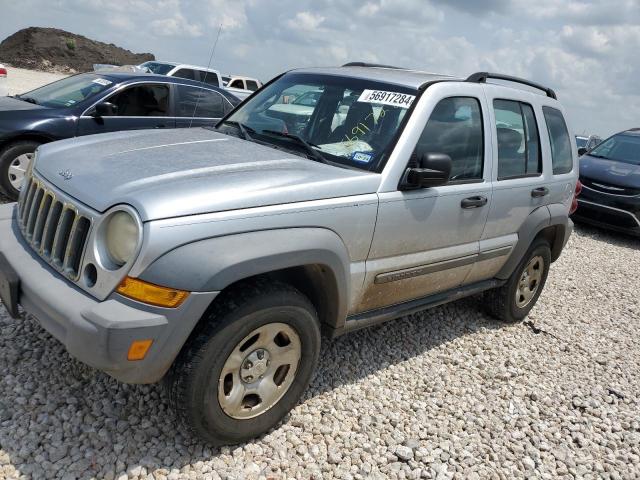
point(247, 365)
point(14, 162)
point(515, 299)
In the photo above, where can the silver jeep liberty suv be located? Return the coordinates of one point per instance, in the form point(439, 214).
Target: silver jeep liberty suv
point(332, 199)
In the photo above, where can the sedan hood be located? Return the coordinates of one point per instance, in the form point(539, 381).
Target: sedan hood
point(173, 173)
point(10, 104)
point(610, 171)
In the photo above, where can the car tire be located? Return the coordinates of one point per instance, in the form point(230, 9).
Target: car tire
point(13, 165)
point(238, 376)
point(514, 300)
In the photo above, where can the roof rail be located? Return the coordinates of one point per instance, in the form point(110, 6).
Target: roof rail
point(481, 77)
point(371, 65)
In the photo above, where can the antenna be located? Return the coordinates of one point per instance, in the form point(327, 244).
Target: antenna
point(213, 49)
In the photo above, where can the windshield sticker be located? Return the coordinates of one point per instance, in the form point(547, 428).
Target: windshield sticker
point(382, 97)
point(362, 157)
point(102, 81)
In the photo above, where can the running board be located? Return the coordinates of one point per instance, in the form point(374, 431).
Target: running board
point(381, 315)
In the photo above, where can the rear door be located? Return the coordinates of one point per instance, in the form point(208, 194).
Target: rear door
point(138, 106)
point(196, 106)
point(520, 177)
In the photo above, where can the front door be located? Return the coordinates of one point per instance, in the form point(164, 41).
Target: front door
point(427, 240)
point(136, 107)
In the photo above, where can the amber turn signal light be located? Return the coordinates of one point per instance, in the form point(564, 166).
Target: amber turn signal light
point(138, 349)
point(145, 292)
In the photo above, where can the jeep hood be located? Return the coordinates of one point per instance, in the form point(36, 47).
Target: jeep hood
point(172, 173)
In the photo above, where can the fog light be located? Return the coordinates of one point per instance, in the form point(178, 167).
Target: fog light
point(138, 349)
point(145, 292)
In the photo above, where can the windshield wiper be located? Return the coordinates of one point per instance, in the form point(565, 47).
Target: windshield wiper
point(597, 156)
point(27, 99)
point(244, 129)
point(317, 156)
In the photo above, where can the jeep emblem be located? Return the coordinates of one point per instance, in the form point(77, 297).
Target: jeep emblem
point(66, 174)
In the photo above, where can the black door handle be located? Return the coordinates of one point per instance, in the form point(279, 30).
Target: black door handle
point(539, 192)
point(473, 202)
point(162, 125)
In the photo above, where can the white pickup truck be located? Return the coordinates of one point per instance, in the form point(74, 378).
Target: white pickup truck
point(201, 74)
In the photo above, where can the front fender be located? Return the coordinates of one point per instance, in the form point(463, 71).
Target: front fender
point(214, 264)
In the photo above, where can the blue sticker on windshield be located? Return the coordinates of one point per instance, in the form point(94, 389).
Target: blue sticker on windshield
point(362, 157)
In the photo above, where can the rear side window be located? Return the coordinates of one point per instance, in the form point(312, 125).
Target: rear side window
point(198, 102)
point(209, 77)
point(561, 155)
point(185, 73)
point(455, 128)
point(518, 140)
point(251, 85)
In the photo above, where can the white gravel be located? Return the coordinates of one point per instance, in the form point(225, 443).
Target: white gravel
point(20, 80)
point(446, 394)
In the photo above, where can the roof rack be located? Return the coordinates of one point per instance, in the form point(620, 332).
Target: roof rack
point(370, 65)
point(481, 77)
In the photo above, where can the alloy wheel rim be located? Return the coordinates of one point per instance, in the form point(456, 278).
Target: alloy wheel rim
point(259, 371)
point(529, 282)
point(18, 169)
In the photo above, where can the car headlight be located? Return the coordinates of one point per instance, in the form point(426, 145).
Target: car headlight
point(121, 237)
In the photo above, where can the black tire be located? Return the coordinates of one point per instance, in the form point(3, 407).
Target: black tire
point(192, 381)
point(7, 157)
point(501, 302)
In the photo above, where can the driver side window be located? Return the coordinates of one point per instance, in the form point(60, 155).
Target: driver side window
point(455, 129)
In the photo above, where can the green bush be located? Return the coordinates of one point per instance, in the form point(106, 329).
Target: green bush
point(71, 44)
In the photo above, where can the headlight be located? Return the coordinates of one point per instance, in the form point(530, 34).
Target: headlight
point(121, 237)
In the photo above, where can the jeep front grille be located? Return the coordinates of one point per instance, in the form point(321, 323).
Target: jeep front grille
point(53, 228)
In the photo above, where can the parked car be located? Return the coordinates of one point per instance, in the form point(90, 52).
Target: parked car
point(4, 88)
point(610, 176)
point(243, 83)
point(96, 103)
point(586, 143)
point(194, 72)
point(215, 257)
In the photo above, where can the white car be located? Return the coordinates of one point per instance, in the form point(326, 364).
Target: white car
point(4, 87)
point(194, 72)
point(243, 83)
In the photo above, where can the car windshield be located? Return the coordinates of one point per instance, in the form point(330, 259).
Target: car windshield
point(581, 142)
point(157, 68)
point(622, 148)
point(68, 91)
point(349, 121)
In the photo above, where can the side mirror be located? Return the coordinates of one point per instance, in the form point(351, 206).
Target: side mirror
point(582, 151)
point(105, 109)
point(434, 170)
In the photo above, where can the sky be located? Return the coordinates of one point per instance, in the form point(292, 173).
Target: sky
point(588, 51)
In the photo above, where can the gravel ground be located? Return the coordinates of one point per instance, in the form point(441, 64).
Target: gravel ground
point(445, 394)
point(20, 80)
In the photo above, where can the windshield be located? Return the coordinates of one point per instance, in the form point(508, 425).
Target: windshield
point(157, 68)
point(581, 142)
point(68, 91)
point(349, 121)
point(621, 147)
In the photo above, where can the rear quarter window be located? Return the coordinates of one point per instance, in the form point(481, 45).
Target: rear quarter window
point(561, 154)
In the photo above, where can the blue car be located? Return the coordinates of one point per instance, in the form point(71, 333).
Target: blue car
point(92, 103)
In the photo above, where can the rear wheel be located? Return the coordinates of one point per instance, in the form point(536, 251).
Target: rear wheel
point(514, 300)
point(247, 365)
point(14, 162)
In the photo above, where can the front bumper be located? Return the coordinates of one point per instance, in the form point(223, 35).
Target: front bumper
point(98, 333)
point(614, 212)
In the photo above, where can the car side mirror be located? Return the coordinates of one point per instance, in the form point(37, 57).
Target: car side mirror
point(582, 151)
point(434, 170)
point(105, 109)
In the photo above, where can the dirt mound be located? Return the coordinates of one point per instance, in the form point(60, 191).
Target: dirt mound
point(52, 49)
